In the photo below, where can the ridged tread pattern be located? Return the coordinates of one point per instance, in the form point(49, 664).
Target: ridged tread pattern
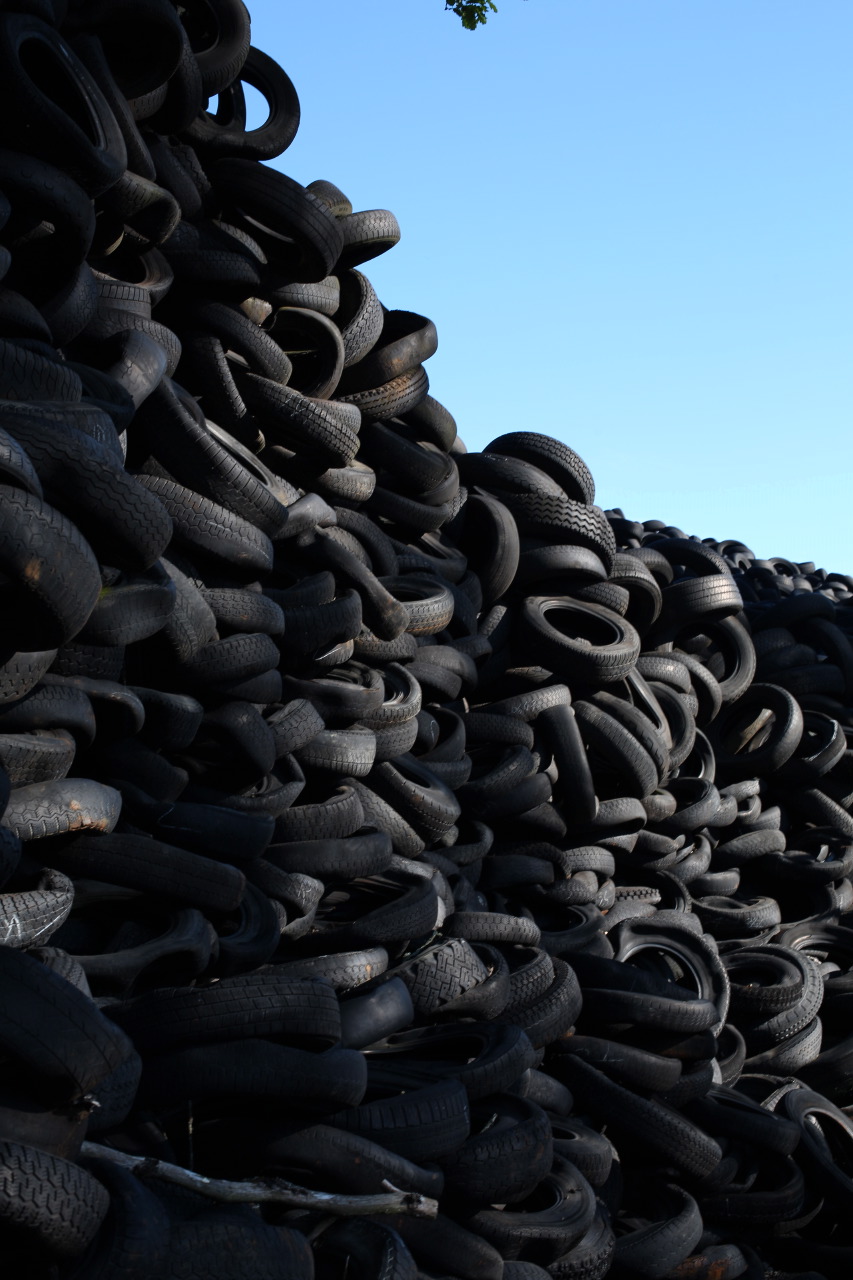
point(442, 974)
point(292, 419)
point(216, 1244)
point(50, 1199)
point(393, 398)
point(128, 526)
point(552, 456)
point(41, 755)
point(366, 234)
point(203, 524)
point(29, 918)
point(44, 809)
point(301, 1010)
point(52, 566)
point(27, 374)
point(361, 323)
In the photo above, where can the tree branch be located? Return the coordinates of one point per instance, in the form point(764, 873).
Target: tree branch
point(269, 1190)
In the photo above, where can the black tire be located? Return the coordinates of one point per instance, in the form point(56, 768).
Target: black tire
point(509, 1151)
point(221, 48)
point(406, 841)
point(584, 1147)
point(238, 333)
point(342, 1160)
point(545, 1226)
point(559, 519)
point(635, 1067)
point(85, 139)
point(16, 467)
point(191, 623)
point(415, 516)
point(391, 907)
point(638, 773)
point(211, 530)
point(254, 1068)
point(45, 809)
point(420, 470)
point(607, 647)
point(492, 543)
point(51, 604)
point(763, 1031)
point(55, 1029)
point(421, 797)
point(553, 457)
point(152, 867)
point(384, 615)
point(637, 720)
point(676, 953)
point(151, 58)
point(241, 1247)
point(393, 398)
point(133, 1241)
point(438, 975)
point(644, 593)
point(368, 1246)
point(680, 722)
point(660, 1128)
point(131, 609)
point(743, 761)
point(343, 695)
point(487, 1057)
point(340, 815)
point(237, 610)
point(497, 473)
point(670, 1229)
point(312, 630)
point(377, 1013)
point(53, 1204)
point(269, 139)
point(406, 340)
point(321, 431)
point(343, 969)
point(323, 296)
point(33, 184)
point(429, 420)
point(366, 234)
point(314, 349)
point(36, 756)
point(359, 316)
point(21, 672)
point(236, 658)
point(28, 917)
point(551, 1015)
point(591, 1257)
point(428, 601)
point(825, 1136)
point(303, 1012)
point(422, 1124)
point(697, 602)
point(274, 200)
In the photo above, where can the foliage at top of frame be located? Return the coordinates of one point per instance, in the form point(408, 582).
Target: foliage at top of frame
point(473, 14)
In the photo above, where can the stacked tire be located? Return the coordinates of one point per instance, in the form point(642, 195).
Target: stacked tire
point(372, 811)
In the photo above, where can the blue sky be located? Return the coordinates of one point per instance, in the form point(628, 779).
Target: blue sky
point(630, 221)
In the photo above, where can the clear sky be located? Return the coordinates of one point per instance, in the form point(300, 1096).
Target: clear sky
point(630, 221)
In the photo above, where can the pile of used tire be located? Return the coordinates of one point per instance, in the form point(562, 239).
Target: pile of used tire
point(373, 811)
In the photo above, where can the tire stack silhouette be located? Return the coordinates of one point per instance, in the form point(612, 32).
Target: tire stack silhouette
point(371, 810)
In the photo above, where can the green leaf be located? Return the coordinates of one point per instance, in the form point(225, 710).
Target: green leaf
point(472, 14)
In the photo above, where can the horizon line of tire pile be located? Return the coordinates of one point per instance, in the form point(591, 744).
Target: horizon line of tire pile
point(372, 810)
